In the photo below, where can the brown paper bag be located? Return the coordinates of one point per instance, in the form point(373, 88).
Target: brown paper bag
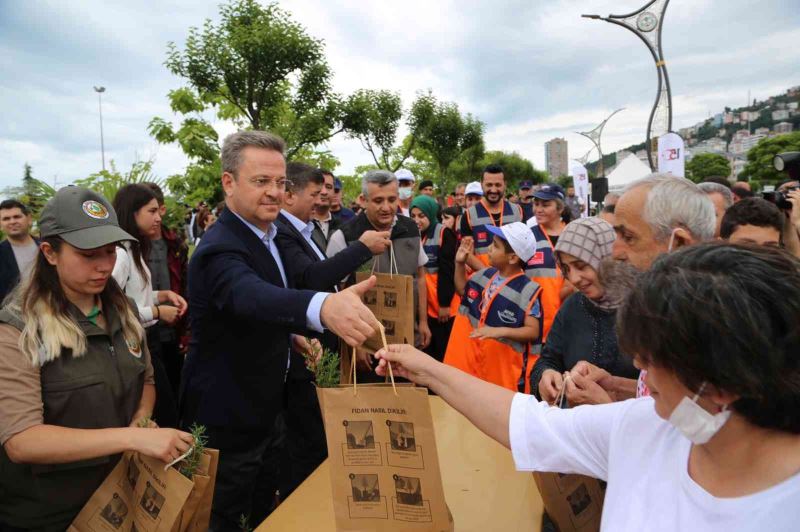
point(392, 302)
point(573, 502)
point(202, 515)
point(384, 465)
point(201, 495)
point(138, 496)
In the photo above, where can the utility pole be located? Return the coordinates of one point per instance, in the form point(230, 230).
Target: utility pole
point(647, 23)
point(100, 91)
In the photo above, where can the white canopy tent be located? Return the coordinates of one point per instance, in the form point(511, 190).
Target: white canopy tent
point(630, 169)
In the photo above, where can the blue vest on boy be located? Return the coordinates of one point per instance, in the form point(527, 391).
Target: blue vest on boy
point(479, 217)
point(510, 306)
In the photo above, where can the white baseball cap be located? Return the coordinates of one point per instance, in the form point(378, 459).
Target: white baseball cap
point(404, 175)
point(473, 188)
point(519, 236)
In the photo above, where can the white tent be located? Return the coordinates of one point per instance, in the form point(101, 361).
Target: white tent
point(630, 169)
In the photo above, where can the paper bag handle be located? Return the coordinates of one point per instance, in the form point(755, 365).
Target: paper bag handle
point(392, 261)
point(389, 365)
point(559, 400)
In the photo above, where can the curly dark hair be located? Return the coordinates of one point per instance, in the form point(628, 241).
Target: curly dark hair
point(750, 211)
point(728, 315)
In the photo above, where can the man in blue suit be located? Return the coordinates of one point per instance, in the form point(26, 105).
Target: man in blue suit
point(243, 315)
point(19, 250)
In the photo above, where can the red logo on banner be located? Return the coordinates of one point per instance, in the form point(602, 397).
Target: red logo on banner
point(472, 293)
point(538, 258)
point(673, 154)
point(482, 235)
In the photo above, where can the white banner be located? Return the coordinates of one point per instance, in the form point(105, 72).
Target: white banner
point(671, 154)
point(580, 180)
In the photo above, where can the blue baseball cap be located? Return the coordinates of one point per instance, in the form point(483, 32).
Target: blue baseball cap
point(550, 191)
point(337, 183)
point(526, 184)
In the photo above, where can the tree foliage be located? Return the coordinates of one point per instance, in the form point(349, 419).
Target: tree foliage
point(447, 134)
point(705, 165)
point(759, 158)
point(33, 193)
point(515, 168)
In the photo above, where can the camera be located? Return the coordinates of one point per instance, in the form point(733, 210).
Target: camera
point(788, 162)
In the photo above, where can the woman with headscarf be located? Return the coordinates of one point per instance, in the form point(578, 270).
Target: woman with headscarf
point(439, 244)
point(584, 328)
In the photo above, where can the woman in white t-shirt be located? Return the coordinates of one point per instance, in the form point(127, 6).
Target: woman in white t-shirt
point(138, 213)
point(717, 445)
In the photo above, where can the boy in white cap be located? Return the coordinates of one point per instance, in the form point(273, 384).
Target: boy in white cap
point(496, 335)
point(405, 190)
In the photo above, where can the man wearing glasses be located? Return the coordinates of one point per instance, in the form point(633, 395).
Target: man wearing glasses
point(245, 317)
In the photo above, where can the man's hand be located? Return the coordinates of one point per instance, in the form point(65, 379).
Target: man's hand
point(593, 373)
point(466, 249)
point(550, 385)
point(377, 241)
point(346, 315)
point(310, 348)
point(444, 314)
point(424, 334)
point(794, 215)
point(584, 391)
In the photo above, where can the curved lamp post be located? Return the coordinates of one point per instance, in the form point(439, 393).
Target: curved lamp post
point(647, 23)
point(595, 135)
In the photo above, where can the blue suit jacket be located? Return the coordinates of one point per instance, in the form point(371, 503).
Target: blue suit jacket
point(241, 316)
point(9, 271)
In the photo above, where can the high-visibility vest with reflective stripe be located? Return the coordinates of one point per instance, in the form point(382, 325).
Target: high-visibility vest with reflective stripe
point(504, 362)
point(543, 270)
point(432, 247)
point(479, 217)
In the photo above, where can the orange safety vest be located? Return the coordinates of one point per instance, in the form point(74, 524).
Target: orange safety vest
point(478, 217)
point(432, 247)
point(543, 270)
point(503, 362)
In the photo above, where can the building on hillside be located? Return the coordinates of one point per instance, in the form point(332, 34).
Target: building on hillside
point(793, 91)
point(781, 114)
point(737, 165)
point(685, 132)
point(727, 118)
point(793, 106)
point(750, 115)
point(783, 127)
point(556, 157)
point(718, 120)
point(762, 131)
point(740, 134)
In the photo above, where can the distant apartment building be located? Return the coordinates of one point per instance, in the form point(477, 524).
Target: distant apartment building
point(712, 145)
point(783, 127)
point(718, 120)
point(780, 114)
point(556, 158)
point(762, 131)
point(793, 106)
point(740, 134)
point(750, 115)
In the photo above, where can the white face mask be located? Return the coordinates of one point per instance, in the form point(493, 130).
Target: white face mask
point(694, 422)
point(405, 193)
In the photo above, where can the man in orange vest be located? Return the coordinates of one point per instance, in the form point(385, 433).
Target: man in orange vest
point(492, 211)
point(496, 335)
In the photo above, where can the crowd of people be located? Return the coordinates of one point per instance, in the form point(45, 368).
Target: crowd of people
point(684, 297)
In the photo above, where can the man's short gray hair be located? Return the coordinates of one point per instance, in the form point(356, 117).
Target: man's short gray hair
point(676, 202)
point(378, 177)
point(716, 188)
point(235, 143)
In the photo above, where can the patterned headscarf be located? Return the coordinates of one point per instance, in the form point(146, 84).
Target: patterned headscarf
point(587, 239)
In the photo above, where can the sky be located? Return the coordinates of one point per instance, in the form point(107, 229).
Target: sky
point(529, 70)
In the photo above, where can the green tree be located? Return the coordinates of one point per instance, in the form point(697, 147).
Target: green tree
point(705, 165)
point(257, 68)
point(759, 158)
point(33, 192)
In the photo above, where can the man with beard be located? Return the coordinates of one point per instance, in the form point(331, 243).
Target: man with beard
point(657, 214)
point(492, 210)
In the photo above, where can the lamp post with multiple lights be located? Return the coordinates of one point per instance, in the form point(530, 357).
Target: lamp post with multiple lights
point(595, 136)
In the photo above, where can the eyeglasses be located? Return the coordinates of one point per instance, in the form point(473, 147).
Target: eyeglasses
point(269, 182)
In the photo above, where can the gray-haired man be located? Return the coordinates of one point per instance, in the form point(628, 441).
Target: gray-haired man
point(379, 195)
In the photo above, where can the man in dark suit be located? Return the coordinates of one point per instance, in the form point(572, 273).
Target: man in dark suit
point(243, 316)
point(325, 224)
point(304, 446)
point(19, 251)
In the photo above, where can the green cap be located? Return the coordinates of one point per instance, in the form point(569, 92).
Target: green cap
point(82, 217)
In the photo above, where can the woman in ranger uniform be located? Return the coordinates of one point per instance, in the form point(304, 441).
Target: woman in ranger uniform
point(75, 373)
point(439, 244)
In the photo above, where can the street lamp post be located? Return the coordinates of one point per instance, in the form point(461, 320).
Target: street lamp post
point(647, 23)
point(100, 91)
point(595, 136)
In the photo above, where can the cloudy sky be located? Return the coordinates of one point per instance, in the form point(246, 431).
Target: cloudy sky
point(531, 70)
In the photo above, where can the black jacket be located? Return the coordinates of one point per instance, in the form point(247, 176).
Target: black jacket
point(241, 316)
point(9, 271)
point(308, 271)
